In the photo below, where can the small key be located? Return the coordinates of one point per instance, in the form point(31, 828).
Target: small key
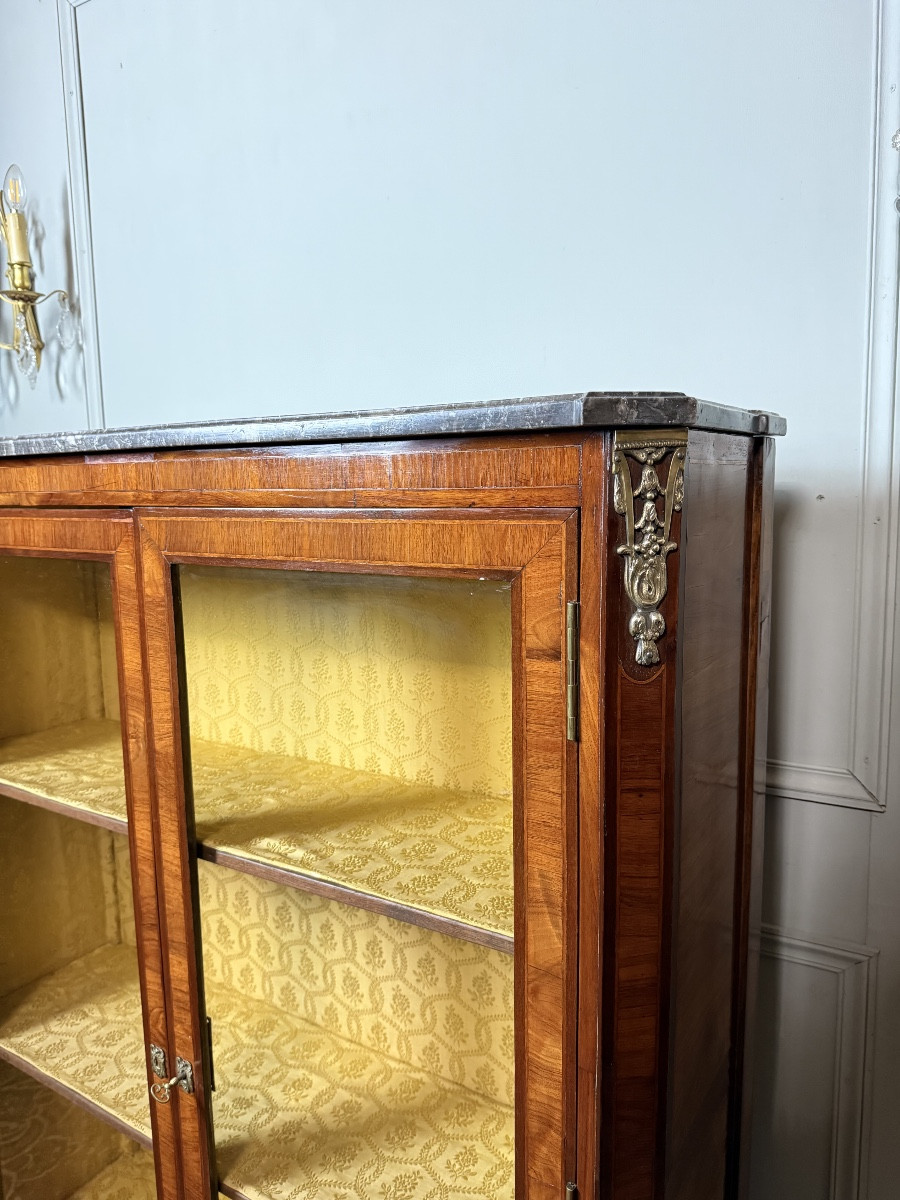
point(161, 1091)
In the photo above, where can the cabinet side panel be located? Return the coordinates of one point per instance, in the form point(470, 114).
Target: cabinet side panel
point(642, 619)
point(748, 889)
point(708, 794)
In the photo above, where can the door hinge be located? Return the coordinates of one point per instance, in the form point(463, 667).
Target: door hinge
point(572, 673)
point(571, 1191)
point(212, 1070)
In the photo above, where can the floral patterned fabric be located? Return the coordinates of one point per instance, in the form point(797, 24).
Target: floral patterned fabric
point(439, 851)
point(82, 1025)
point(301, 1112)
point(51, 1149)
point(409, 678)
point(446, 852)
point(431, 1001)
point(356, 1056)
point(79, 764)
point(131, 1177)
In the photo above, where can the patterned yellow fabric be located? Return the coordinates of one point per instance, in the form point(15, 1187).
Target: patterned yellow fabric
point(409, 678)
point(55, 644)
point(300, 1112)
point(72, 1008)
point(50, 1149)
point(59, 895)
point(131, 1177)
point(124, 897)
point(82, 1025)
point(441, 851)
point(80, 764)
point(434, 1002)
point(356, 1056)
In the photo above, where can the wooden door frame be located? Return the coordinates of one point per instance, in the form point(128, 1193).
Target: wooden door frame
point(538, 551)
point(108, 536)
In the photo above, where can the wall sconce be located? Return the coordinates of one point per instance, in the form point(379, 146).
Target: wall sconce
point(27, 343)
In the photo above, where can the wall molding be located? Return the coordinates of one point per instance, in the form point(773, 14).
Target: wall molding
point(819, 785)
point(855, 970)
point(80, 207)
point(862, 783)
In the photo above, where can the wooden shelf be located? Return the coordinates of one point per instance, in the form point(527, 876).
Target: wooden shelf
point(426, 855)
point(132, 1176)
point(79, 1031)
point(422, 854)
point(298, 1106)
point(76, 769)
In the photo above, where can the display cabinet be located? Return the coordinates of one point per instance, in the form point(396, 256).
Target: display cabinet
point(380, 803)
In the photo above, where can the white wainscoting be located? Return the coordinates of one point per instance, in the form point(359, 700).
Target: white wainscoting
point(812, 1080)
point(862, 783)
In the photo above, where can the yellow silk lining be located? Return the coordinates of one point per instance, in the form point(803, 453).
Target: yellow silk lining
point(356, 1056)
point(358, 730)
point(409, 678)
point(50, 1149)
point(436, 850)
point(131, 1177)
point(354, 728)
point(65, 889)
point(297, 1107)
point(431, 1001)
point(71, 1008)
point(302, 1112)
point(57, 647)
point(82, 1025)
point(79, 764)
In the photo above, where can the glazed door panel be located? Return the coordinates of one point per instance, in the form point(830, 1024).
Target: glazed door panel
point(81, 994)
point(366, 794)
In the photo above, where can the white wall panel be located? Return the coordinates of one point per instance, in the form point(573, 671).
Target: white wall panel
point(817, 876)
point(809, 1129)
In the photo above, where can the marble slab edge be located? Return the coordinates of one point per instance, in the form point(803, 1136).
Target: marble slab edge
point(584, 410)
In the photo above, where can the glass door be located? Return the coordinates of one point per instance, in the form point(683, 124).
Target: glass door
point(75, 1116)
point(374, 794)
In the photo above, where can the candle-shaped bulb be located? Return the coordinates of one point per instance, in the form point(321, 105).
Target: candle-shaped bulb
point(14, 189)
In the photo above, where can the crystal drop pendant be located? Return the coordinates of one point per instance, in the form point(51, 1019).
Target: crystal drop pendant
point(26, 357)
point(66, 325)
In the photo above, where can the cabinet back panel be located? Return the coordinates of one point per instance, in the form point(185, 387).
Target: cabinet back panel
point(57, 651)
point(438, 1003)
point(49, 1147)
point(403, 677)
point(65, 890)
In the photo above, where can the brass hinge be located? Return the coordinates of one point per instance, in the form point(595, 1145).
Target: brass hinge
point(212, 1069)
point(571, 1191)
point(572, 613)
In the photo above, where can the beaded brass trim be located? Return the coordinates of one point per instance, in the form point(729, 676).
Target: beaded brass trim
point(647, 542)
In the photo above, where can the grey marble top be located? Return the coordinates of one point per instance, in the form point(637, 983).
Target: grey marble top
point(584, 410)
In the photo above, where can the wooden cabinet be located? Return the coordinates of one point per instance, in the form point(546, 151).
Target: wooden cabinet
point(381, 818)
